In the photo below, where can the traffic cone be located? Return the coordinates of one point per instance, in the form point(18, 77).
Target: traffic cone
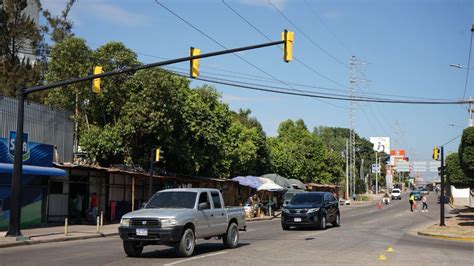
point(379, 205)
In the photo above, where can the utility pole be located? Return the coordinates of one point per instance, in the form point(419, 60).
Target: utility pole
point(470, 110)
point(347, 169)
point(150, 181)
point(352, 124)
point(376, 174)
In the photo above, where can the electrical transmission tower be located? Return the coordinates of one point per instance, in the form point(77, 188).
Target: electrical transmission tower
point(352, 120)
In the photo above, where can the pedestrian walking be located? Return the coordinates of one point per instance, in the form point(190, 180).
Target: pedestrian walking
point(425, 204)
point(411, 198)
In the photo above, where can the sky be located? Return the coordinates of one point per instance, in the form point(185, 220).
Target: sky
point(402, 48)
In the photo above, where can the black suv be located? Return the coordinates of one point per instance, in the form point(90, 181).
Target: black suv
point(311, 209)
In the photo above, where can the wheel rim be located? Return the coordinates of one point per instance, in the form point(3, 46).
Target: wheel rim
point(338, 219)
point(234, 236)
point(188, 241)
point(323, 222)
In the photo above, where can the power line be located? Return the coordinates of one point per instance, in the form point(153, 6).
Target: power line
point(268, 38)
point(341, 43)
point(306, 36)
point(221, 45)
point(468, 63)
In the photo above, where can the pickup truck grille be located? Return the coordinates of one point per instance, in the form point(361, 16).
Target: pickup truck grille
point(145, 222)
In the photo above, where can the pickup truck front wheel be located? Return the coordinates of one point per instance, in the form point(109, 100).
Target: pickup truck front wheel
point(231, 237)
point(132, 248)
point(185, 247)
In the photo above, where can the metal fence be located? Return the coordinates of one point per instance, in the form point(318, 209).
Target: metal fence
point(43, 124)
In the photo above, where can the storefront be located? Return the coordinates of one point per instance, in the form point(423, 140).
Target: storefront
point(37, 170)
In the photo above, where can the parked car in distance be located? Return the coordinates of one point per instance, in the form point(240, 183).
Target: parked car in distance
point(424, 191)
point(177, 217)
point(416, 194)
point(396, 194)
point(311, 209)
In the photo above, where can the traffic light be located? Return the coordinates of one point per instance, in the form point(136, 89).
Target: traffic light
point(436, 153)
point(287, 38)
point(194, 62)
point(96, 82)
point(159, 155)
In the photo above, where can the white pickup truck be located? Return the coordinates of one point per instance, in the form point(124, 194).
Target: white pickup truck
point(177, 217)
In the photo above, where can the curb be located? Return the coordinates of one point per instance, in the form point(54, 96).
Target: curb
point(452, 238)
point(35, 242)
point(261, 219)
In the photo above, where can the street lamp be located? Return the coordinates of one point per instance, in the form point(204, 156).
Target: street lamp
point(460, 66)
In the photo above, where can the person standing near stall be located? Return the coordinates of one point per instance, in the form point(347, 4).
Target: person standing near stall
point(411, 199)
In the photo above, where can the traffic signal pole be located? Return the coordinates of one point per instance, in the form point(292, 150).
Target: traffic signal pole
point(15, 202)
point(441, 202)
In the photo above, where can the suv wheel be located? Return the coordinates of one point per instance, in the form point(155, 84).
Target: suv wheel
point(231, 237)
point(132, 248)
point(337, 221)
point(322, 223)
point(285, 227)
point(185, 247)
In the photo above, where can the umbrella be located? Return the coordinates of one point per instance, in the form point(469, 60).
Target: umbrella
point(249, 181)
point(295, 182)
point(278, 179)
point(270, 186)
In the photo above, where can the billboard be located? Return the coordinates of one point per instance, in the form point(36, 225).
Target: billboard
point(381, 144)
point(397, 155)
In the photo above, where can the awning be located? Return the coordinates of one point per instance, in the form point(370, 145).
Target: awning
point(33, 170)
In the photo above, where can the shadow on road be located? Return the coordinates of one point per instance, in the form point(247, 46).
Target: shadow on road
point(200, 249)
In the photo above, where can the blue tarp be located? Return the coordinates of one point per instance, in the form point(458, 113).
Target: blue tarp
point(249, 181)
point(33, 170)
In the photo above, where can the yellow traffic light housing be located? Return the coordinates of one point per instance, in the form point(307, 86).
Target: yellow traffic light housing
point(194, 71)
point(96, 82)
point(287, 38)
point(159, 155)
point(436, 153)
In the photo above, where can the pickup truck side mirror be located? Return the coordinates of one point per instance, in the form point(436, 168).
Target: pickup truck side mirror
point(203, 205)
point(143, 205)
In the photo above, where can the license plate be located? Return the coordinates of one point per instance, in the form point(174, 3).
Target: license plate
point(298, 220)
point(142, 232)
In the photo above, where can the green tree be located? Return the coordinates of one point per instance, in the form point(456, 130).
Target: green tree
point(466, 154)
point(59, 27)
point(454, 173)
point(19, 35)
point(296, 153)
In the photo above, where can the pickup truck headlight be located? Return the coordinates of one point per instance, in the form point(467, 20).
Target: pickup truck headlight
point(168, 222)
point(286, 211)
point(125, 222)
point(312, 210)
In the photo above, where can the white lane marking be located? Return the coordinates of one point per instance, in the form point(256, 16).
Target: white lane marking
point(195, 258)
point(370, 222)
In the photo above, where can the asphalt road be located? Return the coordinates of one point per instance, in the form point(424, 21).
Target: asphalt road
point(365, 234)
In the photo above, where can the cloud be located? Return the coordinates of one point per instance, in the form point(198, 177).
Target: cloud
point(235, 98)
point(280, 4)
point(54, 6)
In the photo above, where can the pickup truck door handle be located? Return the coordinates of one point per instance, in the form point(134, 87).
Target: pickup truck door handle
point(222, 214)
point(212, 215)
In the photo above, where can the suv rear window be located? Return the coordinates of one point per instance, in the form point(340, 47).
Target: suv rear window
point(306, 199)
point(396, 190)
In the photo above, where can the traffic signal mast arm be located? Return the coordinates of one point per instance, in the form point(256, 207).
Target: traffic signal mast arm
point(133, 69)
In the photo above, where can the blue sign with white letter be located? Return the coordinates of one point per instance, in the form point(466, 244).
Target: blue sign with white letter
point(25, 147)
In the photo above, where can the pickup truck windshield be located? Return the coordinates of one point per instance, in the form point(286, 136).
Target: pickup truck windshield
point(175, 200)
point(306, 199)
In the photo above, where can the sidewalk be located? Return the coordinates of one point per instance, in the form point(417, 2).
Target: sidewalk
point(75, 232)
point(458, 227)
point(56, 234)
